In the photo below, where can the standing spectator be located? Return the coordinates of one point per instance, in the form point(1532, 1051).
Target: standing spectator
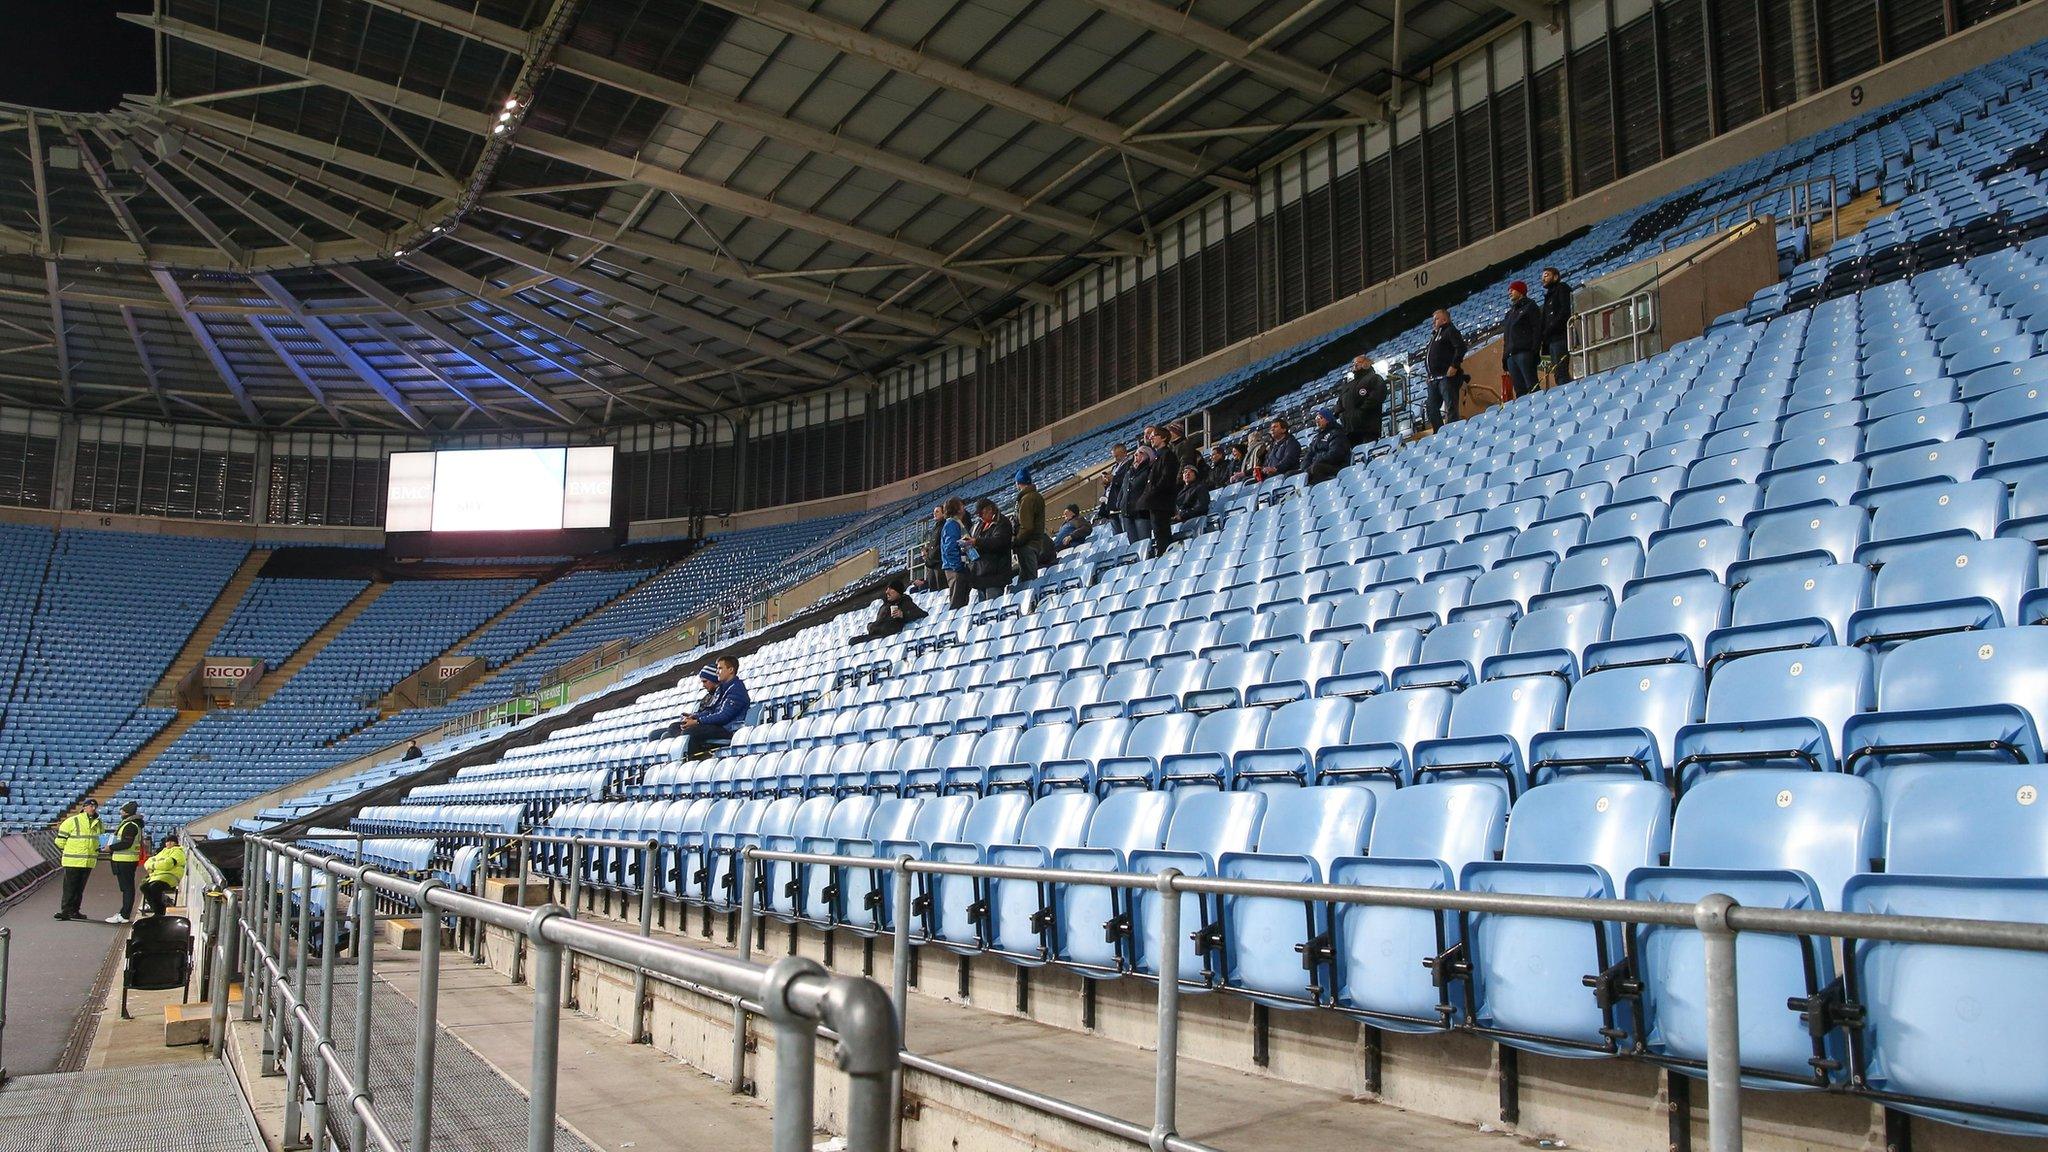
point(1033, 546)
point(1557, 312)
point(727, 710)
point(895, 611)
point(166, 872)
point(931, 547)
point(1283, 455)
point(1191, 503)
point(1521, 338)
point(1446, 365)
point(991, 540)
point(1330, 450)
point(1113, 510)
point(1162, 487)
point(1186, 454)
point(952, 560)
point(78, 843)
point(1362, 399)
point(123, 856)
point(1074, 528)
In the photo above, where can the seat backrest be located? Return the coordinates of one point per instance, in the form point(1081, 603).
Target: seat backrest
point(1131, 819)
point(1973, 506)
point(1614, 825)
point(1961, 669)
point(1513, 581)
point(1707, 548)
point(1162, 735)
point(1215, 822)
point(1609, 565)
point(1983, 820)
point(1309, 724)
point(1455, 821)
point(1040, 743)
point(1814, 484)
point(2000, 571)
point(1659, 699)
point(1823, 824)
point(1714, 504)
point(995, 819)
point(1688, 606)
point(1058, 820)
point(1836, 531)
point(995, 746)
point(1402, 717)
point(1321, 823)
point(1830, 594)
point(1567, 628)
point(1305, 662)
point(1228, 731)
point(1517, 707)
point(1826, 684)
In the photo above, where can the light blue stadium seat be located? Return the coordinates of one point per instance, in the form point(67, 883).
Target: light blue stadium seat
point(1665, 620)
point(1621, 722)
point(1550, 640)
point(951, 917)
point(1205, 828)
point(1383, 958)
point(1776, 838)
point(1945, 586)
point(1125, 822)
point(1778, 709)
point(1265, 940)
point(1296, 733)
point(1384, 732)
point(1489, 732)
point(1580, 839)
point(1012, 921)
point(1925, 512)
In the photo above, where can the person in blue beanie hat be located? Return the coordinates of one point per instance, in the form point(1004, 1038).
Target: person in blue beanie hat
point(723, 710)
point(1330, 451)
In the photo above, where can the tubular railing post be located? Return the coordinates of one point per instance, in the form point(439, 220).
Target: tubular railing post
point(291, 1052)
point(481, 882)
point(749, 869)
point(647, 864)
point(519, 941)
point(330, 884)
point(226, 938)
point(273, 1018)
point(575, 909)
point(428, 1024)
point(252, 910)
point(796, 1038)
point(1166, 1081)
point(899, 988)
point(366, 952)
point(547, 1031)
point(6, 939)
point(1724, 1026)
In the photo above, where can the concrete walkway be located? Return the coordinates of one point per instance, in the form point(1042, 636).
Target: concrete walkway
point(52, 969)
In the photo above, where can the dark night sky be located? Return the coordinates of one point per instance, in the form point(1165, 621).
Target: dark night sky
point(73, 55)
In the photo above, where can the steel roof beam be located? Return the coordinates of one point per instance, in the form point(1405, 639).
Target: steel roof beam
point(469, 347)
point(340, 350)
point(156, 385)
point(197, 327)
point(132, 156)
point(1268, 65)
point(243, 202)
point(392, 337)
point(292, 365)
point(587, 156)
point(1534, 11)
point(40, 176)
point(105, 187)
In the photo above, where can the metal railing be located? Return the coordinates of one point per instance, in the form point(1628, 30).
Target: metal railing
point(271, 934)
point(6, 943)
point(1811, 202)
point(1718, 918)
point(1638, 314)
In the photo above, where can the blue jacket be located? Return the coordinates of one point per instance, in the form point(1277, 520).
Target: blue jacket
point(728, 705)
point(949, 546)
point(1284, 456)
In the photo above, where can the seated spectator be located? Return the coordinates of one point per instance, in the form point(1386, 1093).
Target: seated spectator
point(1330, 451)
point(1192, 503)
point(412, 751)
point(725, 708)
point(1283, 455)
point(1074, 528)
point(991, 539)
point(1219, 464)
point(166, 870)
point(1236, 464)
point(1256, 444)
point(896, 610)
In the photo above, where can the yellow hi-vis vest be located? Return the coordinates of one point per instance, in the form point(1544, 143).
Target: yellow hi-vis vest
point(78, 838)
point(133, 851)
point(168, 865)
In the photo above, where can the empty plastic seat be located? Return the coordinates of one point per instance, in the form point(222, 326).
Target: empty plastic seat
point(1946, 704)
point(1945, 586)
point(1304, 831)
point(1621, 722)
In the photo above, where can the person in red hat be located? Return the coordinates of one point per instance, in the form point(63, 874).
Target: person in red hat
point(1521, 338)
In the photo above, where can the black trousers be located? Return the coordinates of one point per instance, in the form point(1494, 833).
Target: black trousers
point(158, 897)
point(124, 877)
point(1521, 368)
point(74, 889)
point(1161, 524)
point(1560, 360)
point(703, 737)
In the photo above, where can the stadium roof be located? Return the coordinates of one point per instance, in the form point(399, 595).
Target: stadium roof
point(462, 215)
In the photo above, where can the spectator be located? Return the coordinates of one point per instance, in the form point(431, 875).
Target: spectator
point(1329, 452)
point(1362, 399)
point(166, 872)
point(1237, 466)
point(1074, 528)
point(1256, 445)
point(1033, 546)
point(1521, 338)
point(1219, 465)
point(1162, 486)
point(1113, 510)
point(725, 711)
point(123, 855)
point(78, 844)
point(1186, 454)
point(895, 611)
point(952, 557)
point(412, 751)
point(1557, 314)
point(1283, 455)
point(992, 538)
point(1191, 503)
point(931, 545)
point(1446, 366)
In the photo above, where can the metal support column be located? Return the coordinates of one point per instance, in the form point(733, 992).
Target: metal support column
point(1724, 1027)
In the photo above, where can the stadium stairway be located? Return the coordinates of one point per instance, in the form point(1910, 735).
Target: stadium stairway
point(1852, 218)
point(188, 658)
point(319, 640)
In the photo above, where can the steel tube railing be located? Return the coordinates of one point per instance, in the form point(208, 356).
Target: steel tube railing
point(6, 942)
point(804, 1000)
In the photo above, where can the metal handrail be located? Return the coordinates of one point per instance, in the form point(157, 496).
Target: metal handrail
point(796, 995)
point(1807, 210)
point(6, 945)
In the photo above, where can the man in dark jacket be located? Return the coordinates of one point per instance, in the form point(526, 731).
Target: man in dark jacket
point(992, 539)
point(1446, 363)
point(1283, 455)
point(1033, 546)
point(1113, 510)
point(1074, 529)
point(1186, 453)
point(723, 711)
point(1557, 310)
point(895, 611)
point(1330, 450)
point(1361, 399)
point(1191, 503)
point(1521, 338)
point(1162, 488)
